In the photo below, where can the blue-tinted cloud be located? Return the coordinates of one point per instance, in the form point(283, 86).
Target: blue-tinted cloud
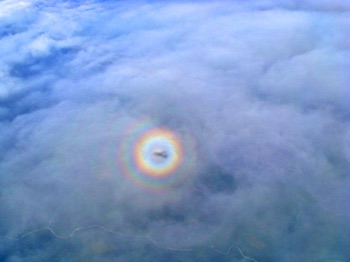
point(258, 93)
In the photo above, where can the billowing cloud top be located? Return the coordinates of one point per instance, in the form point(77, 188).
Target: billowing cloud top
point(174, 131)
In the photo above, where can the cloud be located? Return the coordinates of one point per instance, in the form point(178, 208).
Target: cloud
point(256, 92)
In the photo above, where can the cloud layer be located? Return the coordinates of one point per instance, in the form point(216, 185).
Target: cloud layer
point(258, 93)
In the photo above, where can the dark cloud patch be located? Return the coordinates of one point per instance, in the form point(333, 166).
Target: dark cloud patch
point(216, 180)
point(33, 66)
point(257, 93)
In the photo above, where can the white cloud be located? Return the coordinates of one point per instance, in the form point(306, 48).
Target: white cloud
point(261, 90)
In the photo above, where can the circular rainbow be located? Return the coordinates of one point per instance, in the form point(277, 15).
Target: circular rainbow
point(158, 153)
point(154, 156)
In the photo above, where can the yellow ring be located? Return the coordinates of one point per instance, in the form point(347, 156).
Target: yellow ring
point(145, 166)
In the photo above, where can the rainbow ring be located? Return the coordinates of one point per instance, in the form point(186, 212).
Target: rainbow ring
point(153, 156)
